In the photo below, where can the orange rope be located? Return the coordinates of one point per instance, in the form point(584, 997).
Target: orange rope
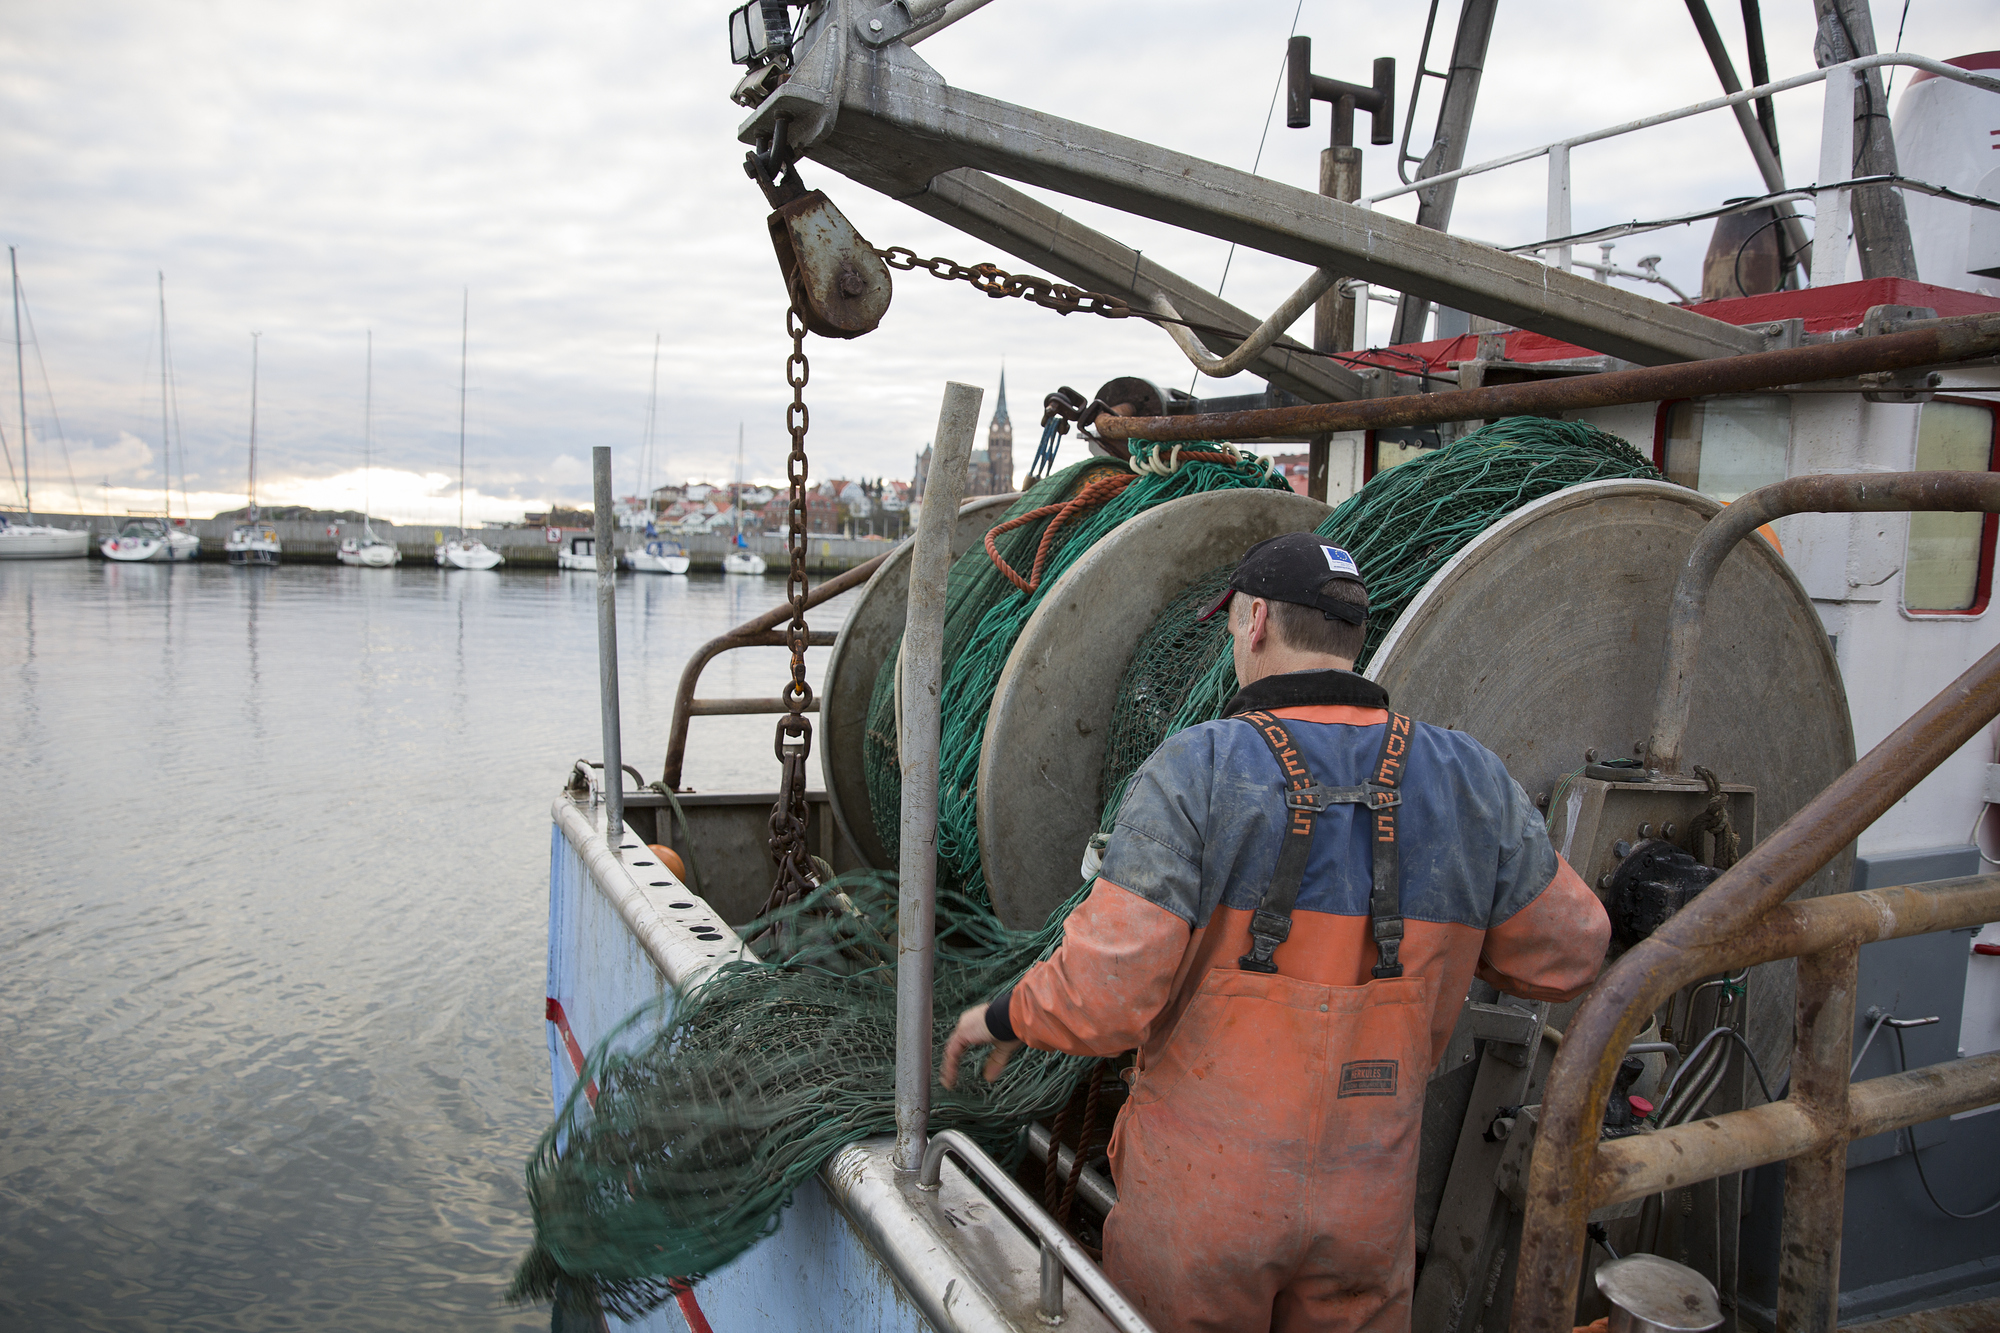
point(1093, 494)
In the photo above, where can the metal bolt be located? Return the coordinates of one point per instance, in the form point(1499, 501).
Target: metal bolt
point(1590, 755)
point(1668, 830)
point(1645, 830)
point(1604, 880)
point(874, 25)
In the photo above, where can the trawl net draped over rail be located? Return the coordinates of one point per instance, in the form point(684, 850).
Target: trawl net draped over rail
point(714, 1106)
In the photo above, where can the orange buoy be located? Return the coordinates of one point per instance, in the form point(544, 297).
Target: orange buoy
point(671, 859)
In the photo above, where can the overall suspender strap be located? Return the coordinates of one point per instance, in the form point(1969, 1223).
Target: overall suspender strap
point(1305, 798)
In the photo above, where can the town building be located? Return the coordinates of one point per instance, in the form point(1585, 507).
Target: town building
point(990, 471)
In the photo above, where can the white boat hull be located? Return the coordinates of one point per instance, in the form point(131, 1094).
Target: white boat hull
point(468, 555)
point(372, 555)
point(253, 546)
point(564, 560)
point(39, 541)
point(743, 562)
point(173, 549)
point(642, 562)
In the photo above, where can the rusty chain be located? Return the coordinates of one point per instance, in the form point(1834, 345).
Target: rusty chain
point(790, 849)
point(997, 283)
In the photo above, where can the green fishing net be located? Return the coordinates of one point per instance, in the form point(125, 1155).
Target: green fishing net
point(714, 1106)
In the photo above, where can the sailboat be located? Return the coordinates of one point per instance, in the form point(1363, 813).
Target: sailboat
point(659, 555)
point(369, 551)
point(157, 540)
point(464, 552)
point(31, 540)
point(252, 542)
point(742, 560)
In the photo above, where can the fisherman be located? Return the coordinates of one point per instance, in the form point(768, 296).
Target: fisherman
point(1291, 908)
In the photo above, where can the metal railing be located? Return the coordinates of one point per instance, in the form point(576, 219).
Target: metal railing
point(1743, 919)
point(1836, 163)
point(1059, 1253)
point(761, 632)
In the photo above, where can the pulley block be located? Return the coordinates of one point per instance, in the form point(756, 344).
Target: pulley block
point(836, 281)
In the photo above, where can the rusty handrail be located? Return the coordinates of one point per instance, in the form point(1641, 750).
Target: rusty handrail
point(760, 632)
point(1844, 493)
point(1737, 904)
point(1631, 1168)
point(1960, 338)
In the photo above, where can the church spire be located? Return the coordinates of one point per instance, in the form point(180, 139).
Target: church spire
point(1000, 416)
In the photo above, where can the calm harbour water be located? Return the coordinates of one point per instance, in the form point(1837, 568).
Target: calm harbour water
point(275, 905)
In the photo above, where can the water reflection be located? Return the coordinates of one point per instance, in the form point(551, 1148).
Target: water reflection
point(272, 917)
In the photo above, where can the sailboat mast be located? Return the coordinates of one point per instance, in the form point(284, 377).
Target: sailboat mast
point(464, 324)
point(250, 492)
point(21, 383)
point(166, 440)
point(368, 435)
point(736, 488)
point(652, 416)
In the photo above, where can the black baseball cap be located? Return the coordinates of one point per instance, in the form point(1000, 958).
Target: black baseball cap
point(1292, 567)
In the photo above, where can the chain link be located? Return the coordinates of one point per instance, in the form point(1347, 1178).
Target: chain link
point(997, 283)
point(790, 849)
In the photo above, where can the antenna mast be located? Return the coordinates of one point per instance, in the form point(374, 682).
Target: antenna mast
point(250, 492)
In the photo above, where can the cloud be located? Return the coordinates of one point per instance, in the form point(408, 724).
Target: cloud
point(322, 170)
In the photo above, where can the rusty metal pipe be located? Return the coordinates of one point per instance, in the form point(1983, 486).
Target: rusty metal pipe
point(754, 633)
point(1632, 1168)
point(1612, 1014)
point(1843, 493)
point(1934, 343)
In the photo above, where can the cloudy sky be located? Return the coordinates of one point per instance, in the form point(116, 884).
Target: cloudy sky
point(323, 169)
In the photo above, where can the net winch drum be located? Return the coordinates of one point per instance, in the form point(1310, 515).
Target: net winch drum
point(871, 632)
point(1041, 763)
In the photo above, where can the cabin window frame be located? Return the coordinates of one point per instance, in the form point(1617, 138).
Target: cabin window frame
point(1989, 528)
point(1667, 406)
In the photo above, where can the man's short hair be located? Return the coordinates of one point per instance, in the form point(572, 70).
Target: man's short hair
point(1309, 630)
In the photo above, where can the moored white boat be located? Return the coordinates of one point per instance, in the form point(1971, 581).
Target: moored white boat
point(29, 540)
point(40, 541)
point(581, 554)
point(467, 553)
point(368, 551)
point(743, 562)
point(253, 543)
point(658, 557)
point(151, 540)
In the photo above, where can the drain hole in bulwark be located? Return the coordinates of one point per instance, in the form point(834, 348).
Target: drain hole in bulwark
point(680, 905)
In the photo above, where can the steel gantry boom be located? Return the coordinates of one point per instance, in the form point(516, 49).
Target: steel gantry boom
point(879, 114)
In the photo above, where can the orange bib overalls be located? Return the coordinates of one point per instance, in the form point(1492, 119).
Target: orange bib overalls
point(1266, 1163)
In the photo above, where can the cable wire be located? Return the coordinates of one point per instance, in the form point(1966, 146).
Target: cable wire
point(1902, 1062)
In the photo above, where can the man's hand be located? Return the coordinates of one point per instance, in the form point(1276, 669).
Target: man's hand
point(971, 1031)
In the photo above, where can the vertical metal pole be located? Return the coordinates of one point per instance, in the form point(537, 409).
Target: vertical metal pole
point(1836, 163)
point(21, 383)
point(923, 683)
point(1559, 223)
point(607, 646)
point(1816, 1180)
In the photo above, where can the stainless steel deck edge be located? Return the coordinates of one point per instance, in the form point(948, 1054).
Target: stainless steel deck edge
point(663, 932)
point(863, 1184)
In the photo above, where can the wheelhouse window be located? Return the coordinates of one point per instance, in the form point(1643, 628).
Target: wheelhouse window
point(1724, 447)
point(1948, 563)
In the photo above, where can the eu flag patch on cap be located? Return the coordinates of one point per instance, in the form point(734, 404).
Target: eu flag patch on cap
point(1340, 564)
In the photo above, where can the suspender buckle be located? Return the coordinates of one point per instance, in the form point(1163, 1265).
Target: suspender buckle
point(1267, 931)
point(1383, 798)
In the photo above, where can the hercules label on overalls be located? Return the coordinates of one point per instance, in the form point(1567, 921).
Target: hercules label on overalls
point(1287, 957)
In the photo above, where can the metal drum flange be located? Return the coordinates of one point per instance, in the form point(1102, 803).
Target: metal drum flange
point(1544, 638)
point(869, 635)
point(1041, 761)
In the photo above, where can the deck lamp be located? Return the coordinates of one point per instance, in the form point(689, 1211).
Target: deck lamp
point(759, 32)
